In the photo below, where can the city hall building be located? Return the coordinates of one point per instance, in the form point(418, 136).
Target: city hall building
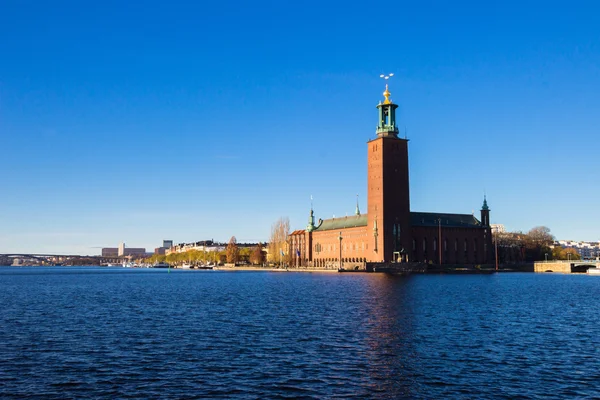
point(390, 232)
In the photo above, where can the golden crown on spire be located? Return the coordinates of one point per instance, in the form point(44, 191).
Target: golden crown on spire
point(387, 93)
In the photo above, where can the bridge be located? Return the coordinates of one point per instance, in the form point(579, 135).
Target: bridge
point(565, 267)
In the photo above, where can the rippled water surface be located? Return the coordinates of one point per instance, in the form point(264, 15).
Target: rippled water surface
point(123, 333)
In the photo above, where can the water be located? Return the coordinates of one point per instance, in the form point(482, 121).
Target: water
point(122, 333)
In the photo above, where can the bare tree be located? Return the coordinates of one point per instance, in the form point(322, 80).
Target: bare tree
point(541, 235)
point(278, 242)
point(537, 243)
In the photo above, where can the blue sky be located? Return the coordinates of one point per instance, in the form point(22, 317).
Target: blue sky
point(143, 121)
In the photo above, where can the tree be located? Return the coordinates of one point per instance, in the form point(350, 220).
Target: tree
point(245, 253)
point(278, 241)
point(537, 243)
point(569, 253)
point(257, 256)
point(233, 252)
point(541, 234)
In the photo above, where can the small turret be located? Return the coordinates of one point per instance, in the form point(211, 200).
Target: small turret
point(485, 213)
point(311, 221)
point(387, 116)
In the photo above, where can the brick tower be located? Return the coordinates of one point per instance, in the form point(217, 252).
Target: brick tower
point(387, 189)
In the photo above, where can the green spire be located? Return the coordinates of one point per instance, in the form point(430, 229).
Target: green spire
point(311, 219)
point(357, 212)
point(485, 206)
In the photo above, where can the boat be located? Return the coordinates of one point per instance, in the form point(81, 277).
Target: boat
point(161, 265)
point(593, 271)
point(186, 266)
point(204, 267)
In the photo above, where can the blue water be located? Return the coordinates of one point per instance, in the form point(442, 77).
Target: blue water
point(129, 333)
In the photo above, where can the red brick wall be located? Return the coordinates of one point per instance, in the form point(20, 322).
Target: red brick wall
point(356, 245)
point(388, 194)
point(478, 245)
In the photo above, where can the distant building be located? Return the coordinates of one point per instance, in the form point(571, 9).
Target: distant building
point(159, 251)
point(110, 252)
point(498, 228)
point(167, 244)
point(204, 245)
point(125, 251)
point(587, 250)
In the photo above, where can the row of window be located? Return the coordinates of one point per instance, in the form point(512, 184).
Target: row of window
point(465, 245)
point(345, 247)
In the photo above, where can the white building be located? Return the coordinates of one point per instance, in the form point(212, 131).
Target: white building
point(587, 250)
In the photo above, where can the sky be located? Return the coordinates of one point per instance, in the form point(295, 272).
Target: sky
point(141, 121)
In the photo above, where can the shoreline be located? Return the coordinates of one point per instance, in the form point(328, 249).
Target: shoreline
point(268, 269)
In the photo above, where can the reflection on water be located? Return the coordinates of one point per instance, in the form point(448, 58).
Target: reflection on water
point(389, 335)
point(102, 332)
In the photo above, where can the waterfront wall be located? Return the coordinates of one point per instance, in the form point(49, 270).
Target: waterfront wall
point(565, 267)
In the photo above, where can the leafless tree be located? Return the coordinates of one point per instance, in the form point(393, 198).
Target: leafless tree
point(278, 242)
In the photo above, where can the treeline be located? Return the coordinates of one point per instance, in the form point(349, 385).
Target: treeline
point(233, 254)
point(535, 245)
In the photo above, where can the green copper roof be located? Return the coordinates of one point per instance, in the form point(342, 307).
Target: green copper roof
point(485, 206)
point(343, 223)
point(447, 220)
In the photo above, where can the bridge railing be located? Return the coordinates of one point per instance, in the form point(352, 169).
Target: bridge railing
point(569, 261)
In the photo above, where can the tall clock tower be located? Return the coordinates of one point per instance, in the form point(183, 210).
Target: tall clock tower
point(387, 189)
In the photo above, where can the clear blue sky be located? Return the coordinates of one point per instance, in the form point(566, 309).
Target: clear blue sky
point(142, 121)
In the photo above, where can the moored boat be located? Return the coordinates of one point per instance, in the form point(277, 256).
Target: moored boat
point(593, 271)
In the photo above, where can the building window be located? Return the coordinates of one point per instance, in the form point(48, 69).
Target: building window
point(414, 245)
point(434, 244)
point(424, 245)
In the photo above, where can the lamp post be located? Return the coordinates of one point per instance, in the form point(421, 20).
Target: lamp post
point(340, 237)
point(440, 239)
point(546, 257)
point(496, 246)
